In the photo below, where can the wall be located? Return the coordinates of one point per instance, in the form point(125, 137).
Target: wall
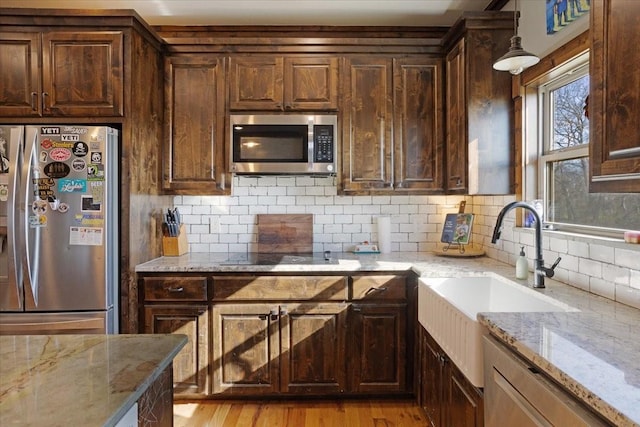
point(532, 27)
point(228, 224)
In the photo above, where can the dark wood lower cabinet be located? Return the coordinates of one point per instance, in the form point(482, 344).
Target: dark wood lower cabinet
point(245, 349)
point(270, 335)
point(446, 396)
point(271, 348)
point(312, 342)
point(377, 358)
point(191, 365)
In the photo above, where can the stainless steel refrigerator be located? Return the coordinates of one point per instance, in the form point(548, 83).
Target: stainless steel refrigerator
point(58, 229)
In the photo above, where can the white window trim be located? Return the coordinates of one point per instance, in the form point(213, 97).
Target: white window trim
point(534, 156)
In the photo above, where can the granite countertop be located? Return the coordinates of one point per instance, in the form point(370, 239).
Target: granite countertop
point(78, 380)
point(593, 352)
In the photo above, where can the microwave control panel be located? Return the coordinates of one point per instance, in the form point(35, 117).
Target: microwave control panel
point(323, 143)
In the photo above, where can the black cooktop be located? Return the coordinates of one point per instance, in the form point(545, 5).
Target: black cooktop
point(259, 258)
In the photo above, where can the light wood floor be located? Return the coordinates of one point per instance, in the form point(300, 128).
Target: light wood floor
point(304, 413)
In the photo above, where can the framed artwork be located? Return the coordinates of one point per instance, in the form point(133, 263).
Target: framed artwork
point(457, 228)
point(561, 13)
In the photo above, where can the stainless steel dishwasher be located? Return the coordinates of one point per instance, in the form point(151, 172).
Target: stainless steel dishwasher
point(516, 394)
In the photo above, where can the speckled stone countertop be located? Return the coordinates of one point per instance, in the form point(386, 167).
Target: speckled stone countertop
point(78, 380)
point(594, 353)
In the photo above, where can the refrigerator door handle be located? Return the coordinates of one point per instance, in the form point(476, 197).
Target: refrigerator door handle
point(13, 216)
point(30, 171)
point(36, 328)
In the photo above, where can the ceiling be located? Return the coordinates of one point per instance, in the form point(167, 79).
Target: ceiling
point(280, 12)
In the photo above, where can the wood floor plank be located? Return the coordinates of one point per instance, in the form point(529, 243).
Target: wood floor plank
point(299, 413)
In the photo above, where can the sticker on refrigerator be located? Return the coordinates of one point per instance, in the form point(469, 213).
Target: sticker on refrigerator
point(44, 157)
point(80, 149)
point(72, 185)
point(56, 170)
point(44, 187)
point(95, 172)
point(89, 205)
point(4, 192)
point(49, 130)
point(89, 220)
point(70, 137)
point(60, 154)
point(78, 165)
point(97, 190)
point(96, 157)
point(39, 207)
point(36, 221)
point(85, 236)
point(4, 156)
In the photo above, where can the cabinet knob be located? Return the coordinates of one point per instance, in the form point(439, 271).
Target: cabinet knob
point(178, 289)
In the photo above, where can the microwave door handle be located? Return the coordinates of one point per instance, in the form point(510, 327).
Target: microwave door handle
point(310, 145)
point(30, 171)
point(16, 149)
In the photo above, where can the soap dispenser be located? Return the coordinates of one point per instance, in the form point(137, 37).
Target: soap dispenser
point(522, 267)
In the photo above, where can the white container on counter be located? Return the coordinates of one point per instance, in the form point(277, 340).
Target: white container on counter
point(384, 234)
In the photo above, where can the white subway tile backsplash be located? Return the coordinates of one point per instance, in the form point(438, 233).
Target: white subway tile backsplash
point(228, 223)
point(615, 274)
point(627, 258)
point(601, 253)
point(558, 245)
point(602, 288)
point(590, 267)
point(579, 249)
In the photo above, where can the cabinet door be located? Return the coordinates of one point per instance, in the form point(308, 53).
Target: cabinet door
point(418, 125)
point(614, 100)
point(378, 340)
point(246, 349)
point(313, 348)
point(20, 76)
point(431, 379)
point(310, 83)
point(82, 73)
point(456, 139)
point(190, 367)
point(367, 124)
point(194, 156)
point(465, 404)
point(255, 83)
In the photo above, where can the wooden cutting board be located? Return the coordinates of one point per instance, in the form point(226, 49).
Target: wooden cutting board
point(290, 233)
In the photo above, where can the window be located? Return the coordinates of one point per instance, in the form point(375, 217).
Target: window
point(563, 161)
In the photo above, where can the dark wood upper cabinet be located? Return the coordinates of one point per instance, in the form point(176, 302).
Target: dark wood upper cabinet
point(614, 100)
point(418, 124)
point(311, 83)
point(367, 119)
point(289, 83)
point(61, 73)
point(255, 83)
point(479, 107)
point(194, 149)
point(392, 136)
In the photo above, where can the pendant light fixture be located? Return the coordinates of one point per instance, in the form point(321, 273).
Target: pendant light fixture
point(516, 59)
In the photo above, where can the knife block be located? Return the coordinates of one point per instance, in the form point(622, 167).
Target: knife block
point(176, 246)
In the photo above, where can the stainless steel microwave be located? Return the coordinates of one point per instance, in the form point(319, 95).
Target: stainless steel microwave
point(283, 143)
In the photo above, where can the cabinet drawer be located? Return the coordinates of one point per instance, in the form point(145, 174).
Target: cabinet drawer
point(175, 288)
point(279, 288)
point(378, 288)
